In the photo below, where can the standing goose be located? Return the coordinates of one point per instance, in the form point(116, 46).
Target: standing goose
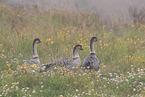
point(67, 62)
point(35, 59)
point(91, 61)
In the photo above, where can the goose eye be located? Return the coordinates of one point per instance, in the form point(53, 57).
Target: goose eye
point(37, 41)
point(95, 40)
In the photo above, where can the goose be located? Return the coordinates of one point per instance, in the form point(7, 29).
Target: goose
point(91, 61)
point(69, 63)
point(35, 59)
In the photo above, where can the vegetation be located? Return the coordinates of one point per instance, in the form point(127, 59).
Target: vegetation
point(120, 49)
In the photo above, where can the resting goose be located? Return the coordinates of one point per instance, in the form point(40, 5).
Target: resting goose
point(35, 59)
point(91, 61)
point(67, 62)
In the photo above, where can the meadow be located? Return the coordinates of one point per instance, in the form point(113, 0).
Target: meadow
point(120, 50)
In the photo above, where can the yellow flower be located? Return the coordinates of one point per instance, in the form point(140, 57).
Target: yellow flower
point(32, 66)
point(132, 26)
point(47, 40)
point(67, 85)
point(51, 42)
point(8, 65)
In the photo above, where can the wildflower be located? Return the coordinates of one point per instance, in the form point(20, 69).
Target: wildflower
point(12, 87)
point(104, 86)
point(127, 80)
point(134, 89)
point(22, 89)
point(77, 90)
point(61, 96)
point(8, 65)
point(17, 88)
point(51, 42)
point(42, 86)
point(33, 91)
point(41, 82)
point(67, 85)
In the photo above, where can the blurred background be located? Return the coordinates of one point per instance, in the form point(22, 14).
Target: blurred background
point(107, 9)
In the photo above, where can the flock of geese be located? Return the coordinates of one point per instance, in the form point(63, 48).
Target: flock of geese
point(90, 62)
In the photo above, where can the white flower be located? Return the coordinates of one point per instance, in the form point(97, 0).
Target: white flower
point(77, 90)
point(127, 80)
point(92, 83)
point(61, 96)
point(17, 88)
point(104, 86)
point(84, 73)
point(27, 88)
point(41, 82)
point(42, 86)
point(33, 71)
point(33, 91)
point(22, 89)
point(12, 87)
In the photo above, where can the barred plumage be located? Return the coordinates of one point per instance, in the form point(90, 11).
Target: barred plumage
point(35, 59)
point(67, 62)
point(91, 61)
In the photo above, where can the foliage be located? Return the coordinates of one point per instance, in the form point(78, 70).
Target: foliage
point(121, 54)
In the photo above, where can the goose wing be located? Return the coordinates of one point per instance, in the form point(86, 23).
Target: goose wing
point(63, 62)
point(91, 62)
point(34, 62)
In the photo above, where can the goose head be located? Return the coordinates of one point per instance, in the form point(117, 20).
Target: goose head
point(36, 41)
point(78, 47)
point(93, 39)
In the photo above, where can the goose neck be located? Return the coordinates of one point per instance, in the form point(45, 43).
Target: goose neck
point(92, 49)
point(35, 54)
point(75, 53)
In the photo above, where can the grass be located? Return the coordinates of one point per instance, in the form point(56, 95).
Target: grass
point(120, 50)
